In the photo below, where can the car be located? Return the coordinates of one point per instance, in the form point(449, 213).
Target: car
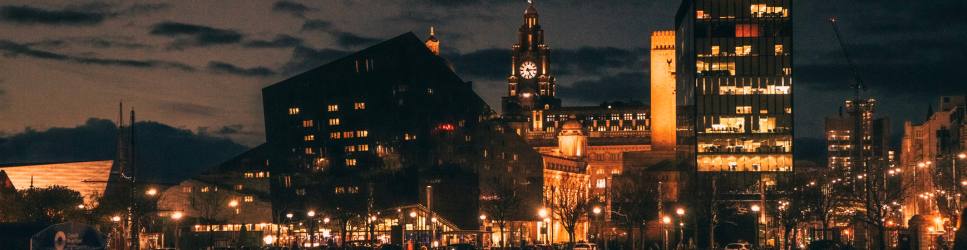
point(584, 246)
point(461, 246)
point(825, 245)
point(738, 246)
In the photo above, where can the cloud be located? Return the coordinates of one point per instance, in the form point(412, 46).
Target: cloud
point(195, 35)
point(280, 41)
point(228, 68)
point(296, 9)
point(14, 49)
point(596, 60)
point(316, 24)
point(145, 8)
point(31, 15)
point(490, 64)
point(351, 40)
point(191, 109)
point(305, 58)
point(100, 42)
point(621, 87)
point(172, 154)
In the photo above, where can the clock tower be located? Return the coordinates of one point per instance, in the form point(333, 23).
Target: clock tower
point(530, 86)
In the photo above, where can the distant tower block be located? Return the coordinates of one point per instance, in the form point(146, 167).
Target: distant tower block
point(663, 125)
point(433, 43)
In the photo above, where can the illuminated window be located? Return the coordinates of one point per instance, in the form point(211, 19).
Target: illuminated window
point(743, 50)
point(715, 50)
point(333, 108)
point(408, 137)
point(300, 192)
point(362, 147)
point(602, 183)
point(788, 110)
point(627, 116)
point(334, 135)
point(362, 133)
point(333, 121)
point(293, 111)
point(249, 175)
point(307, 123)
point(204, 189)
point(743, 110)
point(641, 116)
point(309, 151)
point(359, 105)
point(309, 138)
point(778, 49)
point(347, 134)
point(287, 181)
point(339, 190)
point(350, 149)
point(186, 189)
point(351, 162)
point(248, 198)
point(239, 187)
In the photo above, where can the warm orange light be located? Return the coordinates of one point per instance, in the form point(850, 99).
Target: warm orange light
point(756, 208)
point(151, 192)
point(233, 203)
point(680, 211)
point(542, 213)
point(596, 210)
point(176, 215)
point(666, 220)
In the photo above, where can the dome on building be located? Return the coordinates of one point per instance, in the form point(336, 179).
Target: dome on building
point(572, 127)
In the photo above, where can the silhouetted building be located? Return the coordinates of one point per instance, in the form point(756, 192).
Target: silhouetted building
point(929, 160)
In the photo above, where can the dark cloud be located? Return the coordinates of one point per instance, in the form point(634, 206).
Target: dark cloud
point(172, 154)
point(352, 40)
point(145, 8)
point(619, 87)
point(13, 49)
point(294, 8)
point(280, 41)
point(99, 42)
point(191, 109)
point(305, 58)
point(195, 35)
point(316, 24)
point(31, 15)
point(596, 60)
point(228, 68)
point(487, 64)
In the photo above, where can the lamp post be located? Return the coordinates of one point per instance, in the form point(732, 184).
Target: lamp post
point(755, 211)
point(544, 214)
point(311, 232)
point(665, 223)
point(176, 217)
point(681, 225)
point(233, 204)
point(289, 232)
point(597, 234)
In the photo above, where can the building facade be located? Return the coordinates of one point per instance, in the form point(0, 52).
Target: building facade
point(929, 158)
point(734, 78)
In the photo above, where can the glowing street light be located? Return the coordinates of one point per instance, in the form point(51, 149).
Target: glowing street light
point(115, 218)
point(151, 192)
point(756, 208)
point(483, 217)
point(325, 220)
point(233, 203)
point(176, 215)
point(596, 210)
point(962, 156)
point(412, 214)
point(311, 213)
point(680, 211)
point(289, 215)
point(666, 220)
point(268, 239)
point(542, 212)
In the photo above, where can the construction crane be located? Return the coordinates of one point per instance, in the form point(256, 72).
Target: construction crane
point(857, 84)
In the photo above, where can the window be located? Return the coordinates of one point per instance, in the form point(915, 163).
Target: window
point(249, 175)
point(293, 111)
point(239, 187)
point(307, 123)
point(309, 138)
point(362, 147)
point(362, 133)
point(333, 121)
point(248, 198)
point(408, 137)
point(746, 30)
point(778, 49)
point(743, 110)
point(186, 189)
point(743, 50)
point(333, 108)
point(602, 183)
point(359, 105)
point(715, 50)
point(204, 189)
point(334, 135)
point(347, 134)
point(641, 116)
point(308, 151)
point(351, 162)
point(287, 181)
point(339, 190)
point(350, 149)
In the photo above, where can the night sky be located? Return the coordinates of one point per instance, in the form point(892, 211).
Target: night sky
point(200, 65)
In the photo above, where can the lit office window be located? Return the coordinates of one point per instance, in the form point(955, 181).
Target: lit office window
point(362, 133)
point(307, 123)
point(333, 121)
point(334, 135)
point(359, 105)
point(249, 198)
point(332, 108)
point(350, 162)
point(601, 183)
point(293, 111)
point(362, 147)
point(309, 138)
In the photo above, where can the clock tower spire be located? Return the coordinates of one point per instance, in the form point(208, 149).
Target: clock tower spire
point(530, 85)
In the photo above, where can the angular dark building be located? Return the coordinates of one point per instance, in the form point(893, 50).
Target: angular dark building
point(370, 131)
point(734, 75)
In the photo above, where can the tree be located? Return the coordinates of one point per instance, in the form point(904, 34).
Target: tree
point(501, 203)
point(50, 205)
point(208, 202)
point(570, 202)
point(634, 201)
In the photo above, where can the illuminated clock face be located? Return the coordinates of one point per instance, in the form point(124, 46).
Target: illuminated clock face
point(528, 70)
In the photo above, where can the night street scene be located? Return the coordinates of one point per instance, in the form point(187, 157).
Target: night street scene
point(483, 124)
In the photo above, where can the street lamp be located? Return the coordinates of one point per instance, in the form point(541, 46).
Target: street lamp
point(681, 225)
point(665, 221)
point(151, 192)
point(311, 213)
point(176, 216)
point(755, 210)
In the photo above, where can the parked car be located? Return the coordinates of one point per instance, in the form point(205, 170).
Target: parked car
point(825, 245)
point(584, 246)
point(738, 246)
